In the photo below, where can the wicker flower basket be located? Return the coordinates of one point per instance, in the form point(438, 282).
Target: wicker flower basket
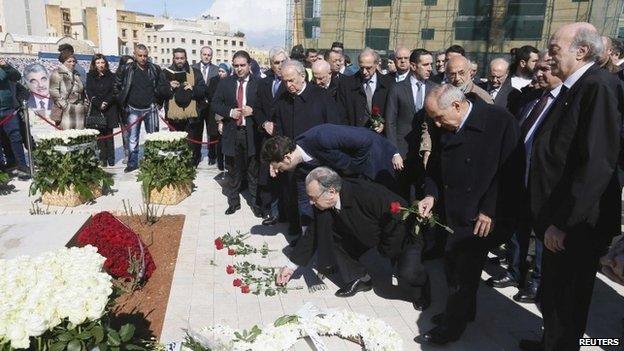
point(171, 194)
point(70, 198)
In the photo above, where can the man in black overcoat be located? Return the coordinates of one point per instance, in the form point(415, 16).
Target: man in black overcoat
point(366, 89)
point(573, 183)
point(464, 186)
point(235, 100)
point(360, 218)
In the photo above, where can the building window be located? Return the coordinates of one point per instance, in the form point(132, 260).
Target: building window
point(168, 50)
point(526, 8)
point(379, 2)
point(123, 18)
point(168, 40)
point(225, 52)
point(431, 2)
point(580, 0)
point(218, 52)
point(162, 60)
point(123, 33)
point(475, 7)
point(225, 42)
point(135, 34)
point(209, 42)
point(162, 40)
point(219, 42)
point(523, 29)
point(193, 41)
point(162, 50)
point(312, 28)
point(173, 40)
point(194, 53)
point(240, 43)
point(201, 42)
point(427, 33)
point(377, 38)
point(472, 29)
point(183, 40)
point(149, 39)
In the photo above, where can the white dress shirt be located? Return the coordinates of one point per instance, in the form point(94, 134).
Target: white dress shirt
point(372, 82)
point(245, 81)
point(38, 103)
point(519, 82)
point(418, 100)
point(461, 125)
point(569, 82)
point(401, 77)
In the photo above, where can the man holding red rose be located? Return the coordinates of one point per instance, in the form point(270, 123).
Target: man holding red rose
point(362, 216)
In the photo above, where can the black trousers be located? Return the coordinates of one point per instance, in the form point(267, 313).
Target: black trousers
point(239, 166)
point(566, 288)
point(411, 274)
point(463, 262)
point(106, 147)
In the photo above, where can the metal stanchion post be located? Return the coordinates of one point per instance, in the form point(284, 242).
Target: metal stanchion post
point(25, 111)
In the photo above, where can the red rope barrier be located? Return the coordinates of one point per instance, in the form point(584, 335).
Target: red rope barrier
point(7, 118)
point(194, 141)
point(103, 137)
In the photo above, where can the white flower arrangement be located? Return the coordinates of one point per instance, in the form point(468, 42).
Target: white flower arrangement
point(166, 136)
point(67, 135)
point(373, 334)
point(38, 293)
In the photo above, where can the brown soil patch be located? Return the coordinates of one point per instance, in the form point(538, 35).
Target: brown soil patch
point(146, 307)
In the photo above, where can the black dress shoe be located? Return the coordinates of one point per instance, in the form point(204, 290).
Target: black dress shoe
point(436, 336)
point(424, 299)
point(502, 282)
point(531, 345)
point(526, 295)
point(270, 221)
point(257, 211)
point(233, 208)
point(354, 287)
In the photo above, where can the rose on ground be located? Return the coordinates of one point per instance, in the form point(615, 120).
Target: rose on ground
point(231, 252)
point(395, 207)
point(229, 269)
point(245, 289)
point(237, 282)
point(218, 243)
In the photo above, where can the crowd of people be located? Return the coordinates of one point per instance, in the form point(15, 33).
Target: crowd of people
point(529, 157)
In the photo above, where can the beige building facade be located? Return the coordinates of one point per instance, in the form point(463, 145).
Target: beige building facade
point(480, 26)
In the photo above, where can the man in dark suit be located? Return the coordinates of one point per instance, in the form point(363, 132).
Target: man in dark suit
point(359, 93)
point(196, 128)
point(464, 181)
point(497, 85)
point(573, 182)
point(351, 151)
point(270, 89)
point(358, 213)
point(402, 63)
point(322, 77)
point(235, 100)
point(405, 117)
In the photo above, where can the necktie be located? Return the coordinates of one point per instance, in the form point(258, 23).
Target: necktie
point(239, 100)
point(537, 110)
point(419, 95)
point(276, 84)
point(368, 90)
point(204, 71)
point(42, 105)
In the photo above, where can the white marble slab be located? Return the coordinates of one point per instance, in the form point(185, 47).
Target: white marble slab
point(35, 234)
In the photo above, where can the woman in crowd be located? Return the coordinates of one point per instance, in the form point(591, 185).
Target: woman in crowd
point(100, 82)
point(214, 126)
point(67, 93)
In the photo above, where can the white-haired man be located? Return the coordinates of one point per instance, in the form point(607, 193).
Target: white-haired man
point(465, 179)
point(574, 197)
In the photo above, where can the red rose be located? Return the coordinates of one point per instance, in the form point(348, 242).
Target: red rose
point(375, 110)
point(395, 207)
point(218, 243)
point(231, 252)
point(245, 289)
point(237, 282)
point(230, 270)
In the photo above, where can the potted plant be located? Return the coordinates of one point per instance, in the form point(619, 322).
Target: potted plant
point(167, 170)
point(68, 171)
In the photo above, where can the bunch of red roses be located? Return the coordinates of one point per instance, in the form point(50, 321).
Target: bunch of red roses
point(119, 245)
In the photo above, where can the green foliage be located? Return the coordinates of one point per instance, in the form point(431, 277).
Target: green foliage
point(193, 345)
point(57, 171)
point(4, 178)
point(156, 170)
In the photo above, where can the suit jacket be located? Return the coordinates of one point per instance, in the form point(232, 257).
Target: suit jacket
point(224, 101)
point(213, 71)
point(403, 122)
point(364, 217)
point(266, 100)
point(350, 151)
point(352, 98)
point(32, 103)
point(503, 93)
point(467, 172)
point(295, 114)
point(437, 78)
point(572, 180)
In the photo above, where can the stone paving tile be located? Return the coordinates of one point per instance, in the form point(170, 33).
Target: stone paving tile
point(202, 293)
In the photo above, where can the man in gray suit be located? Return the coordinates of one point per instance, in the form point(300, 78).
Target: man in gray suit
point(405, 118)
point(208, 70)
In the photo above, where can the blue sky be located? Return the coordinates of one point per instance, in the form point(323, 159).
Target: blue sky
point(263, 22)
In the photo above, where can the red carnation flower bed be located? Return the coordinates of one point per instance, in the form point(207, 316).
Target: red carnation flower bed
point(113, 239)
